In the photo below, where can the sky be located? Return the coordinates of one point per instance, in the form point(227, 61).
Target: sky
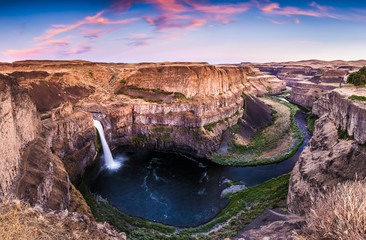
point(183, 30)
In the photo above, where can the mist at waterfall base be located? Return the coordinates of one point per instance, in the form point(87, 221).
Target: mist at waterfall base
point(175, 189)
point(110, 163)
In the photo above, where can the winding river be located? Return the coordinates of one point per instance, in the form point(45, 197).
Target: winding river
point(175, 189)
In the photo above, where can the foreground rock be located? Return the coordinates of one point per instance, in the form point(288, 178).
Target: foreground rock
point(334, 154)
point(272, 224)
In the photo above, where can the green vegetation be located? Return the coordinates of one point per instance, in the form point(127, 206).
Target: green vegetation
point(343, 134)
point(123, 81)
point(209, 127)
point(249, 155)
point(138, 139)
point(358, 78)
point(91, 74)
point(191, 111)
point(311, 118)
point(57, 105)
point(160, 129)
point(358, 98)
point(45, 83)
point(243, 207)
point(153, 100)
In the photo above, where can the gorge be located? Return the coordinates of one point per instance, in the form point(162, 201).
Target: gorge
point(180, 133)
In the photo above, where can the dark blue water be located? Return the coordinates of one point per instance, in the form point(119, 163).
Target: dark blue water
point(175, 189)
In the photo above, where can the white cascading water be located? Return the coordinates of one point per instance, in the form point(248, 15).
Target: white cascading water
point(109, 161)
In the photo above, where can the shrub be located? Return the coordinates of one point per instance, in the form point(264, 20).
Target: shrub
point(358, 78)
point(339, 214)
point(358, 98)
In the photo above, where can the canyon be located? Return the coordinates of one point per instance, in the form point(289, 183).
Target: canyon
point(49, 139)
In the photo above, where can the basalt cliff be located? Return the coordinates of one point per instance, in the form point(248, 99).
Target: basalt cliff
point(335, 154)
point(47, 109)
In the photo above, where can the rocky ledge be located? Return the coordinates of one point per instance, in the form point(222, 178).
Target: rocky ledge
point(336, 152)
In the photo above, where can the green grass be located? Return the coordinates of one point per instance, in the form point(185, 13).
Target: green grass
point(343, 134)
point(310, 122)
point(45, 83)
point(210, 127)
point(358, 98)
point(241, 155)
point(123, 81)
point(91, 74)
point(138, 139)
point(243, 207)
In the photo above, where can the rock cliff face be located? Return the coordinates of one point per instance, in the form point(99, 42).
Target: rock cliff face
point(19, 124)
point(305, 93)
point(348, 114)
point(28, 168)
point(328, 159)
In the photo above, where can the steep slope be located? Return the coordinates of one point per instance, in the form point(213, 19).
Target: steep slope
point(336, 152)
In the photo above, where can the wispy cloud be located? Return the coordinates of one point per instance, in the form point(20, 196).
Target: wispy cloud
point(277, 22)
point(274, 8)
point(96, 19)
point(82, 47)
point(54, 42)
point(31, 52)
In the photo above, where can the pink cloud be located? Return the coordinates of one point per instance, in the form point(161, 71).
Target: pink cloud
point(168, 5)
point(274, 8)
point(54, 42)
point(82, 47)
point(31, 52)
point(94, 33)
point(227, 9)
point(277, 22)
point(270, 7)
point(96, 19)
point(296, 20)
point(169, 20)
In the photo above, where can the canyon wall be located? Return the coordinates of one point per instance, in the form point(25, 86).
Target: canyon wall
point(331, 156)
point(19, 125)
point(28, 168)
point(305, 93)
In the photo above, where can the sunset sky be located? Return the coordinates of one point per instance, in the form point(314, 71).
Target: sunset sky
point(183, 30)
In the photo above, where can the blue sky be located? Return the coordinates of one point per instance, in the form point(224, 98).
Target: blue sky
point(183, 30)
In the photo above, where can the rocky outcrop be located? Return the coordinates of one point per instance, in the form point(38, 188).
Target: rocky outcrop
point(305, 93)
point(347, 114)
point(29, 170)
point(328, 159)
point(19, 125)
point(71, 135)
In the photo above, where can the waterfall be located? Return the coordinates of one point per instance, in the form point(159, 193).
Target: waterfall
point(108, 158)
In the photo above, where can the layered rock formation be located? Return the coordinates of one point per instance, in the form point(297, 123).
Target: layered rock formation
point(19, 126)
point(29, 169)
point(305, 93)
point(330, 157)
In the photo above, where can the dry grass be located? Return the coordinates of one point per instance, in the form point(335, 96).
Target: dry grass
point(340, 214)
point(19, 221)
